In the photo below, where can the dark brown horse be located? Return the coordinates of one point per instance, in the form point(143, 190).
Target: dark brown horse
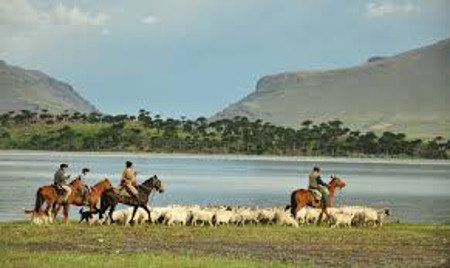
point(53, 197)
point(111, 197)
point(303, 197)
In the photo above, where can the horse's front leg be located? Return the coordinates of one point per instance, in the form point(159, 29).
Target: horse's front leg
point(111, 211)
point(148, 213)
point(49, 210)
point(65, 213)
point(56, 207)
point(132, 215)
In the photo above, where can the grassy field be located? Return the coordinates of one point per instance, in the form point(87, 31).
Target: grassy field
point(75, 245)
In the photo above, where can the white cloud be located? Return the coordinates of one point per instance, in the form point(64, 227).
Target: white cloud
point(32, 25)
point(149, 20)
point(61, 14)
point(20, 13)
point(385, 8)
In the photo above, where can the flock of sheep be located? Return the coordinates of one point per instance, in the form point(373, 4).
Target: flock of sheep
point(347, 216)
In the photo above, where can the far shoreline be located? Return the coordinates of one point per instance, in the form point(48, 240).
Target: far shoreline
point(244, 157)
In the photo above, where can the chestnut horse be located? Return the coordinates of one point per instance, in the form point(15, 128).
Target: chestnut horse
point(53, 198)
point(303, 197)
point(111, 197)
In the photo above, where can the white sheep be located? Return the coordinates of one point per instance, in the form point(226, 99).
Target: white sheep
point(177, 215)
point(312, 215)
point(204, 216)
point(122, 216)
point(342, 219)
point(285, 218)
point(244, 216)
point(301, 215)
point(157, 213)
point(223, 217)
point(38, 218)
point(266, 216)
point(382, 214)
point(365, 216)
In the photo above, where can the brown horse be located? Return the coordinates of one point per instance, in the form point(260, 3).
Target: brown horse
point(53, 197)
point(303, 197)
point(76, 198)
point(111, 197)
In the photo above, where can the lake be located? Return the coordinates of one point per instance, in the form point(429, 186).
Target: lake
point(414, 190)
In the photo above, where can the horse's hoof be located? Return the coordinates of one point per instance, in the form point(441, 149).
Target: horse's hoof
point(132, 223)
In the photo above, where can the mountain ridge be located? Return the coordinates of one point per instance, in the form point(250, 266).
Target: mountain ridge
point(408, 92)
point(23, 89)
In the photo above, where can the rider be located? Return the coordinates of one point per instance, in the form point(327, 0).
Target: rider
point(129, 179)
point(60, 179)
point(84, 187)
point(316, 184)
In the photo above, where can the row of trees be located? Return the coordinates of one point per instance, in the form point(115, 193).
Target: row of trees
point(144, 132)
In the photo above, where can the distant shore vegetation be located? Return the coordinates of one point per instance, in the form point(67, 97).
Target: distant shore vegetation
point(146, 132)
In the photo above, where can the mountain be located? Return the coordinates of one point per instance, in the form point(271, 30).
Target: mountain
point(32, 90)
point(408, 93)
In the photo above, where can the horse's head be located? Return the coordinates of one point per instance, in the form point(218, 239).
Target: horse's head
point(154, 183)
point(337, 182)
point(103, 184)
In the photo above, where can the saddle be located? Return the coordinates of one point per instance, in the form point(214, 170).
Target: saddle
point(59, 190)
point(317, 195)
point(122, 191)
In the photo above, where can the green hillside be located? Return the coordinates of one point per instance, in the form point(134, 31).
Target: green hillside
point(408, 93)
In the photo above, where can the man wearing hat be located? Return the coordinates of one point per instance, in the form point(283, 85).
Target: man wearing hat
point(128, 180)
point(317, 186)
point(85, 188)
point(60, 179)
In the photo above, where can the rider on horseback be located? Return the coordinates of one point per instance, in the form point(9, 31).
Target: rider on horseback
point(60, 180)
point(84, 187)
point(128, 180)
point(317, 186)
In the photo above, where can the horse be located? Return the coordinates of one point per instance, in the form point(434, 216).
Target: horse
point(111, 197)
point(53, 197)
point(303, 197)
point(75, 198)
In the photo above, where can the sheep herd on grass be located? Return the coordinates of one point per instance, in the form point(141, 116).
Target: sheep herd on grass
point(194, 215)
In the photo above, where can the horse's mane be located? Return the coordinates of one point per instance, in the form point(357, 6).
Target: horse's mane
point(74, 180)
point(104, 181)
point(149, 179)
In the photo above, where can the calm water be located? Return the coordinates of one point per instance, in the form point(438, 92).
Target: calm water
point(415, 191)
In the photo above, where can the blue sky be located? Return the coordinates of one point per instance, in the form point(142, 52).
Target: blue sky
point(196, 57)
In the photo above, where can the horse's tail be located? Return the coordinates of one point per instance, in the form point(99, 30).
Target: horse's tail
point(293, 203)
point(39, 201)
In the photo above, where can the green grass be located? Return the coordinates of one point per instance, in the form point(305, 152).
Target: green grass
point(156, 259)
point(22, 244)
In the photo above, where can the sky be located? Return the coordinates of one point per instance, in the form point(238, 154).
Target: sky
point(193, 58)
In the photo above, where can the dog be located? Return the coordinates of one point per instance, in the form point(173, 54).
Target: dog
point(86, 215)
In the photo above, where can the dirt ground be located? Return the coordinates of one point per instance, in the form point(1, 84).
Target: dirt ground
point(392, 245)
